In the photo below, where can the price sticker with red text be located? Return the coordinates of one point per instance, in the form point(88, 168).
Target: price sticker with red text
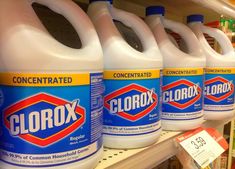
point(203, 145)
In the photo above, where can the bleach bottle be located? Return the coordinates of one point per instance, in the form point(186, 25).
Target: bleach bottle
point(132, 79)
point(220, 71)
point(51, 95)
point(182, 90)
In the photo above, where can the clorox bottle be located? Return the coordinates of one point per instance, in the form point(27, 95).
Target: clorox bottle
point(220, 71)
point(132, 79)
point(51, 95)
point(182, 97)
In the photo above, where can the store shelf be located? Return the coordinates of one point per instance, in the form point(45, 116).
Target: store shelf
point(141, 158)
point(147, 157)
point(178, 10)
point(224, 7)
point(175, 10)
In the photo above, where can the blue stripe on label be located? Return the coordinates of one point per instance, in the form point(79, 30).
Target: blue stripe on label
point(50, 165)
point(219, 110)
point(132, 134)
point(182, 119)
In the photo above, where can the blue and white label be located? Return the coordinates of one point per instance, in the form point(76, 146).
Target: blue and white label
point(131, 102)
point(182, 94)
point(219, 89)
point(50, 119)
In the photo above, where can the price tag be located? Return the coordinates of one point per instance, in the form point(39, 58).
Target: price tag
point(203, 147)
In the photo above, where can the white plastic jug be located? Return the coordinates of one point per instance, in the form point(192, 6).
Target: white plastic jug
point(51, 95)
point(132, 79)
point(220, 71)
point(173, 40)
point(182, 96)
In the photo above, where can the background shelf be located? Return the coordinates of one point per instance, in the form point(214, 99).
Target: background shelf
point(175, 10)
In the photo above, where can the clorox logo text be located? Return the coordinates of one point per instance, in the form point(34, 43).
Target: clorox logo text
point(218, 89)
point(181, 94)
point(132, 102)
point(43, 119)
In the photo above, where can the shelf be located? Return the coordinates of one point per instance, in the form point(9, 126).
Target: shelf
point(147, 157)
point(140, 158)
point(180, 9)
point(175, 10)
point(224, 7)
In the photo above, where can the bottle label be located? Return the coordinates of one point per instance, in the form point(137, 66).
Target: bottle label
point(50, 119)
point(219, 89)
point(182, 95)
point(131, 102)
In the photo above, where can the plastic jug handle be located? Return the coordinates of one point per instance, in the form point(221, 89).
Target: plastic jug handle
point(138, 25)
point(72, 13)
point(191, 40)
point(222, 39)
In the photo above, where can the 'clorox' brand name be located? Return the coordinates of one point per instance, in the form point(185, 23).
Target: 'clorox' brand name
point(131, 102)
point(181, 94)
point(43, 119)
point(218, 89)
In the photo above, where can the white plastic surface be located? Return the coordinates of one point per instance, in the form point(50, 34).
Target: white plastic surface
point(194, 59)
point(219, 6)
point(214, 59)
point(175, 58)
point(172, 39)
point(26, 46)
point(119, 55)
point(35, 49)
point(115, 47)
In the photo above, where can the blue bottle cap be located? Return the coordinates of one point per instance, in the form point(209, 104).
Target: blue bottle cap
point(153, 10)
point(195, 18)
point(110, 1)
